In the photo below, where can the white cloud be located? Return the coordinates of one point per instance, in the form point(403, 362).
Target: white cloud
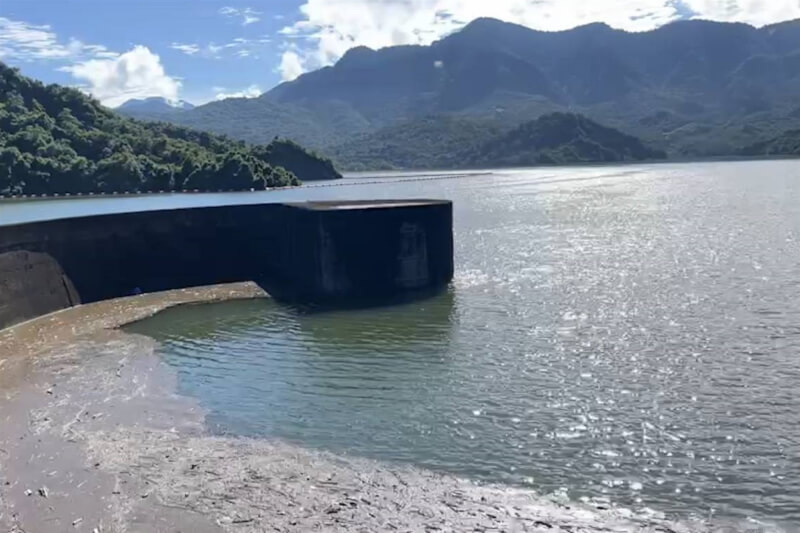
point(331, 27)
point(22, 41)
point(248, 15)
point(109, 76)
point(239, 47)
point(292, 65)
point(254, 91)
point(188, 49)
point(137, 73)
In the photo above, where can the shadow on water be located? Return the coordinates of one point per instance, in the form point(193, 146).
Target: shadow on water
point(421, 319)
point(418, 322)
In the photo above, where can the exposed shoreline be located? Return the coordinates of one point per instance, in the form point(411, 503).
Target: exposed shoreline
point(96, 438)
point(48, 332)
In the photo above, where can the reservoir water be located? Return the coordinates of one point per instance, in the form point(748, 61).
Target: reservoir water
point(629, 333)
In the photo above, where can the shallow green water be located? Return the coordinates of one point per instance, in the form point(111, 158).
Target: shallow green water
point(629, 333)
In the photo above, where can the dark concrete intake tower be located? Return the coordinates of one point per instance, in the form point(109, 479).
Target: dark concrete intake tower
point(329, 253)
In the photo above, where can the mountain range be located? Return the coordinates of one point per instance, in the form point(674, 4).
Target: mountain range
point(154, 105)
point(690, 88)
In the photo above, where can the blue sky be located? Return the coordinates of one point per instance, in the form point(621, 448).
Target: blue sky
point(236, 51)
point(201, 50)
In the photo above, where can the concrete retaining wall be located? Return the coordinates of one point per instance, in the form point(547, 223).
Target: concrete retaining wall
point(305, 253)
point(358, 252)
point(32, 284)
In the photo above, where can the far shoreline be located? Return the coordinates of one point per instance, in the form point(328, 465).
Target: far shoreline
point(379, 174)
point(353, 174)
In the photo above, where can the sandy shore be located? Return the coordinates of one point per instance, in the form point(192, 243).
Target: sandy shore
point(95, 438)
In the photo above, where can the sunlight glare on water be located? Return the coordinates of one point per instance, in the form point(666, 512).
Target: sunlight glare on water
point(628, 333)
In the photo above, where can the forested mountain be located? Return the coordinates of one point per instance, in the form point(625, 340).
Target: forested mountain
point(690, 68)
point(435, 142)
point(785, 144)
point(447, 142)
point(692, 88)
point(57, 140)
point(561, 138)
point(258, 120)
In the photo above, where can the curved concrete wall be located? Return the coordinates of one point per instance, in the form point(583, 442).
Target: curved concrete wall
point(32, 284)
point(319, 252)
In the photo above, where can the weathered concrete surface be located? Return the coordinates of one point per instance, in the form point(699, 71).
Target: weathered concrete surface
point(300, 253)
point(360, 252)
point(95, 437)
point(113, 256)
point(32, 284)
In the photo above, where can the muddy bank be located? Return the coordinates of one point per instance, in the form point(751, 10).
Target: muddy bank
point(95, 438)
point(63, 327)
point(70, 373)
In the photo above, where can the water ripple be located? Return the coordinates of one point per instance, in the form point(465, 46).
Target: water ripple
point(625, 335)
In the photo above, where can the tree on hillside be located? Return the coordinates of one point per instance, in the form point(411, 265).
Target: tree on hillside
point(57, 140)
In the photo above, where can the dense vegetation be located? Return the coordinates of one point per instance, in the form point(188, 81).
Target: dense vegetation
point(786, 144)
point(430, 142)
point(562, 138)
point(692, 88)
point(287, 154)
point(57, 140)
point(259, 120)
point(448, 142)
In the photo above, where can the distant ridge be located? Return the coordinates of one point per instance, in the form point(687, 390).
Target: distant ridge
point(154, 104)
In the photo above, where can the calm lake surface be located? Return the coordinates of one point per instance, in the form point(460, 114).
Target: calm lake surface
point(630, 333)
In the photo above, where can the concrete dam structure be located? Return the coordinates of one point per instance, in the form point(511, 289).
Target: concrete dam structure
point(328, 253)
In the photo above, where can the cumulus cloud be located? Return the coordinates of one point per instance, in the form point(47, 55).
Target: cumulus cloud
point(22, 41)
point(107, 75)
point(254, 91)
point(246, 15)
point(137, 73)
point(292, 65)
point(326, 29)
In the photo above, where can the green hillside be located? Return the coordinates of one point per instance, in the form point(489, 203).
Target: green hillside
point(785, 144)
point(430, 142)
point(456, 142)
point(562, 138)
point(56, 140)
point(258, 120)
